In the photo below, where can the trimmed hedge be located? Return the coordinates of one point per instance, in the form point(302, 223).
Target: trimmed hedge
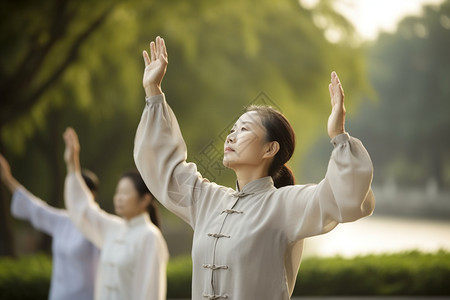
point(409, 273)
point(25, 278)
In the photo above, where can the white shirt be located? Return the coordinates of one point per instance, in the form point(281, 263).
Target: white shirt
point(248, 244)
point(134, 253)
point(74, 258)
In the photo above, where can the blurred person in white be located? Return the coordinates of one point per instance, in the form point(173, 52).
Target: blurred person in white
point(134, 253)
point(74, 258)
point(248, 242)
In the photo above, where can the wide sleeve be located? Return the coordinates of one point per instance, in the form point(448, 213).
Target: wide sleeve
point(160, 156)
point(26, 206)
point(85, 213)
point(344, 195)
point(150, 269)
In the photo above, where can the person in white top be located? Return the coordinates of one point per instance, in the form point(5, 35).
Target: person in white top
point(74, 258)
point(134, 253)
point(248, 242)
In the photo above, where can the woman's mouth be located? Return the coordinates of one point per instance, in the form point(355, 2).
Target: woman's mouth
point(228, 149)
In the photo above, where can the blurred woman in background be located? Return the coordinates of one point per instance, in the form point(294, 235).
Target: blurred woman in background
point(74, 258)
point(134, 253)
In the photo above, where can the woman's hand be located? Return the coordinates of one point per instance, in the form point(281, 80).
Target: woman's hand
point(6, 176)
point(72, 151)
point(336, 121)
point(5, 170)
point(155, 67)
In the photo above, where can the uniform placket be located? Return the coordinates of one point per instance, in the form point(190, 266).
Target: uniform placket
point(111, 281)
point(216, 267)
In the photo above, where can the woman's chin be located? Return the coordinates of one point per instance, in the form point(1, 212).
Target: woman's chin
point(227, 163)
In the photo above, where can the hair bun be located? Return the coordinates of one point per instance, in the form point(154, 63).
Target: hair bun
point(283, 177)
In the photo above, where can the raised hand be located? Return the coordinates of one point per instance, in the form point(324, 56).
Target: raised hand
point(5, 170)
point(6, 176)
point(336, 121)
point(155, 67)
point(72, 151)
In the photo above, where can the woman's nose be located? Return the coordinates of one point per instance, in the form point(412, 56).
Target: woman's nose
point(230, 138)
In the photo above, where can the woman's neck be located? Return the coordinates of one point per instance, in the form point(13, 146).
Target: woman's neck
point(244, 177)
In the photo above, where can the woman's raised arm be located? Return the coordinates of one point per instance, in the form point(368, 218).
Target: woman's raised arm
point(159, 149)
point(84, 212)
point(26, 206)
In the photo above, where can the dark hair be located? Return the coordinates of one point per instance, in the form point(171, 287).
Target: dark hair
point(278, 129)
point(142, 189)
point(91, 180)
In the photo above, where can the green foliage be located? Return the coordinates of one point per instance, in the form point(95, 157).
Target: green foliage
point(222, 54)
point(410, 273)
point(409, 71)
point(404, 274)
point(25, 278)
point(179, 277)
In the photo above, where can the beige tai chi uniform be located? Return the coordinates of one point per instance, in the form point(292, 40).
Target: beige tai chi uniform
point(134, 253)
point(248, 243)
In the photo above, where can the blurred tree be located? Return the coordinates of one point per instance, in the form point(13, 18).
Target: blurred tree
point(408, 129)
point(41, 46)
point(222, 55)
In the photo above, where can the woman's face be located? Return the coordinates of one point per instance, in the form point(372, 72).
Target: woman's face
point(127, 202)
point(246, 143)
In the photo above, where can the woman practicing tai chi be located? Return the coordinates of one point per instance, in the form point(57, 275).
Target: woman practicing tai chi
point(134, 253)
point(74, 258)
point(248, 242)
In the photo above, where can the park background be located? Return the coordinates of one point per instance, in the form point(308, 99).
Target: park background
point(79, 63)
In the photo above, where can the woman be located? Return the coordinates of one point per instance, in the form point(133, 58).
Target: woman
point(74, 258)
point(134, 253)
point(248, 242)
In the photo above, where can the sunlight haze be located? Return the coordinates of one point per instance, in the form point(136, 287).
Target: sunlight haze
point(372, 16)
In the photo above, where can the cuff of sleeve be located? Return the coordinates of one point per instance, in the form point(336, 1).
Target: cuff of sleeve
point(340, 139)
point(154, 99)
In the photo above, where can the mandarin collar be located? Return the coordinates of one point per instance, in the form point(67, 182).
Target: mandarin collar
point(256, 186)
point(138, 220)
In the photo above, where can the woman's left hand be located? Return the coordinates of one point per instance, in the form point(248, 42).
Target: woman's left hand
point(336, 121)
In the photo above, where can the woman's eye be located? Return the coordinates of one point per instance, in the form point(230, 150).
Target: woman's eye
point(232, 130)
point(243, 129)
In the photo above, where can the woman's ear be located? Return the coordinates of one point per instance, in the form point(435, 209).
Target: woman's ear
point(272, 149)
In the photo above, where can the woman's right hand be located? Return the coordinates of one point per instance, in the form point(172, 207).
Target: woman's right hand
point(72, 151)
point(5, 170)
point(6, 176)
point(155, 67)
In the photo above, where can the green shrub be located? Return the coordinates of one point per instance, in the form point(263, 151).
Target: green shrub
point(25, 278)
point(179, 277)
point(407, 274)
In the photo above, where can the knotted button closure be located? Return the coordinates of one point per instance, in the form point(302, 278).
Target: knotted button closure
point(232, 211)
point(241, 194)
point(219, 235)
point(215, 296)
point(215, 267)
